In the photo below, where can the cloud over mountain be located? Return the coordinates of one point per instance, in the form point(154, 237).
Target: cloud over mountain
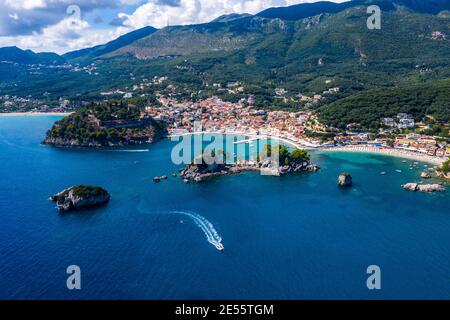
point(160, 13)
point(44, 25)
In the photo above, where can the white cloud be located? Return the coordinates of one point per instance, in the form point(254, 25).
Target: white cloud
point(196, 11)
point(26, 4)
point(35, 15)
point(62, 37)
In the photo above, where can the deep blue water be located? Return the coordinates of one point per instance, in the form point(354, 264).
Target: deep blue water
point(297, 237)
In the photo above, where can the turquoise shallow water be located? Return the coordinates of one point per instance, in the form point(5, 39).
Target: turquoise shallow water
point(297, 237)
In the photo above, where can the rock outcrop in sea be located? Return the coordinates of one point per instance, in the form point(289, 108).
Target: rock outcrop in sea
point(424, 187)
point(202, 172)
point(425, 175)
point(159, 179)
point(80, 197)
point(345, 180)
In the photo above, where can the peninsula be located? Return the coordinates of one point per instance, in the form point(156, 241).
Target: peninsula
point(107, 124)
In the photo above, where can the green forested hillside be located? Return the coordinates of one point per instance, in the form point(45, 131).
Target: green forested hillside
point(370, 107)
point(92, 53)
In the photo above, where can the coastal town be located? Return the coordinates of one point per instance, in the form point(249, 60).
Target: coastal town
point(17, 104)
point(217, 116)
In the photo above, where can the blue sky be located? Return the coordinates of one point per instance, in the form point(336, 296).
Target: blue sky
point(45, 25)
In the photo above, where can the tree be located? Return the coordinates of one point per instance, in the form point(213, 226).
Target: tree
point(390, 143)
point(446, 167)
point(267, 150)
point(300, 154)
point(100, 135)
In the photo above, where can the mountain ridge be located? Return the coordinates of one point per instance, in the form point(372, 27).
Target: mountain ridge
point(97, 51)
point(17, 55)
point(305, 10)
point(290, 13)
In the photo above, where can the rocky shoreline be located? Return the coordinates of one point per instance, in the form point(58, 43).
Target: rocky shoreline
point(75, 143)
point(443, 176)
point(203, 171)
point(427, 188)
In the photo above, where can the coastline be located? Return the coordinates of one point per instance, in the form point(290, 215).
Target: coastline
point(35, 114)
point(289, 142)
point(388, 152)
point(404, 154)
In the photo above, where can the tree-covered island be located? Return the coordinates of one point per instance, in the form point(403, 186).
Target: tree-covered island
point(80, 197)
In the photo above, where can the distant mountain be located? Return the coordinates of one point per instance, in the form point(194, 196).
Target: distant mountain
point(335, 38)
point(305, 10)
point(233, 32)
point(191, 39)
point(425, 6)
point(91, 53)
point(231, 17)
point(16, 55)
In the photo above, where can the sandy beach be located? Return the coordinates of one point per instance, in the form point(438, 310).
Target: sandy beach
point(252, 136)
point(389, 152)
point(35, 114)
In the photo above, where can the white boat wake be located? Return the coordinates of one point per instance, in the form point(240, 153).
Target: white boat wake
point(207, 227)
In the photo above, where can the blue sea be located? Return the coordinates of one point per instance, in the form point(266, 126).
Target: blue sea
point(294, 237)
